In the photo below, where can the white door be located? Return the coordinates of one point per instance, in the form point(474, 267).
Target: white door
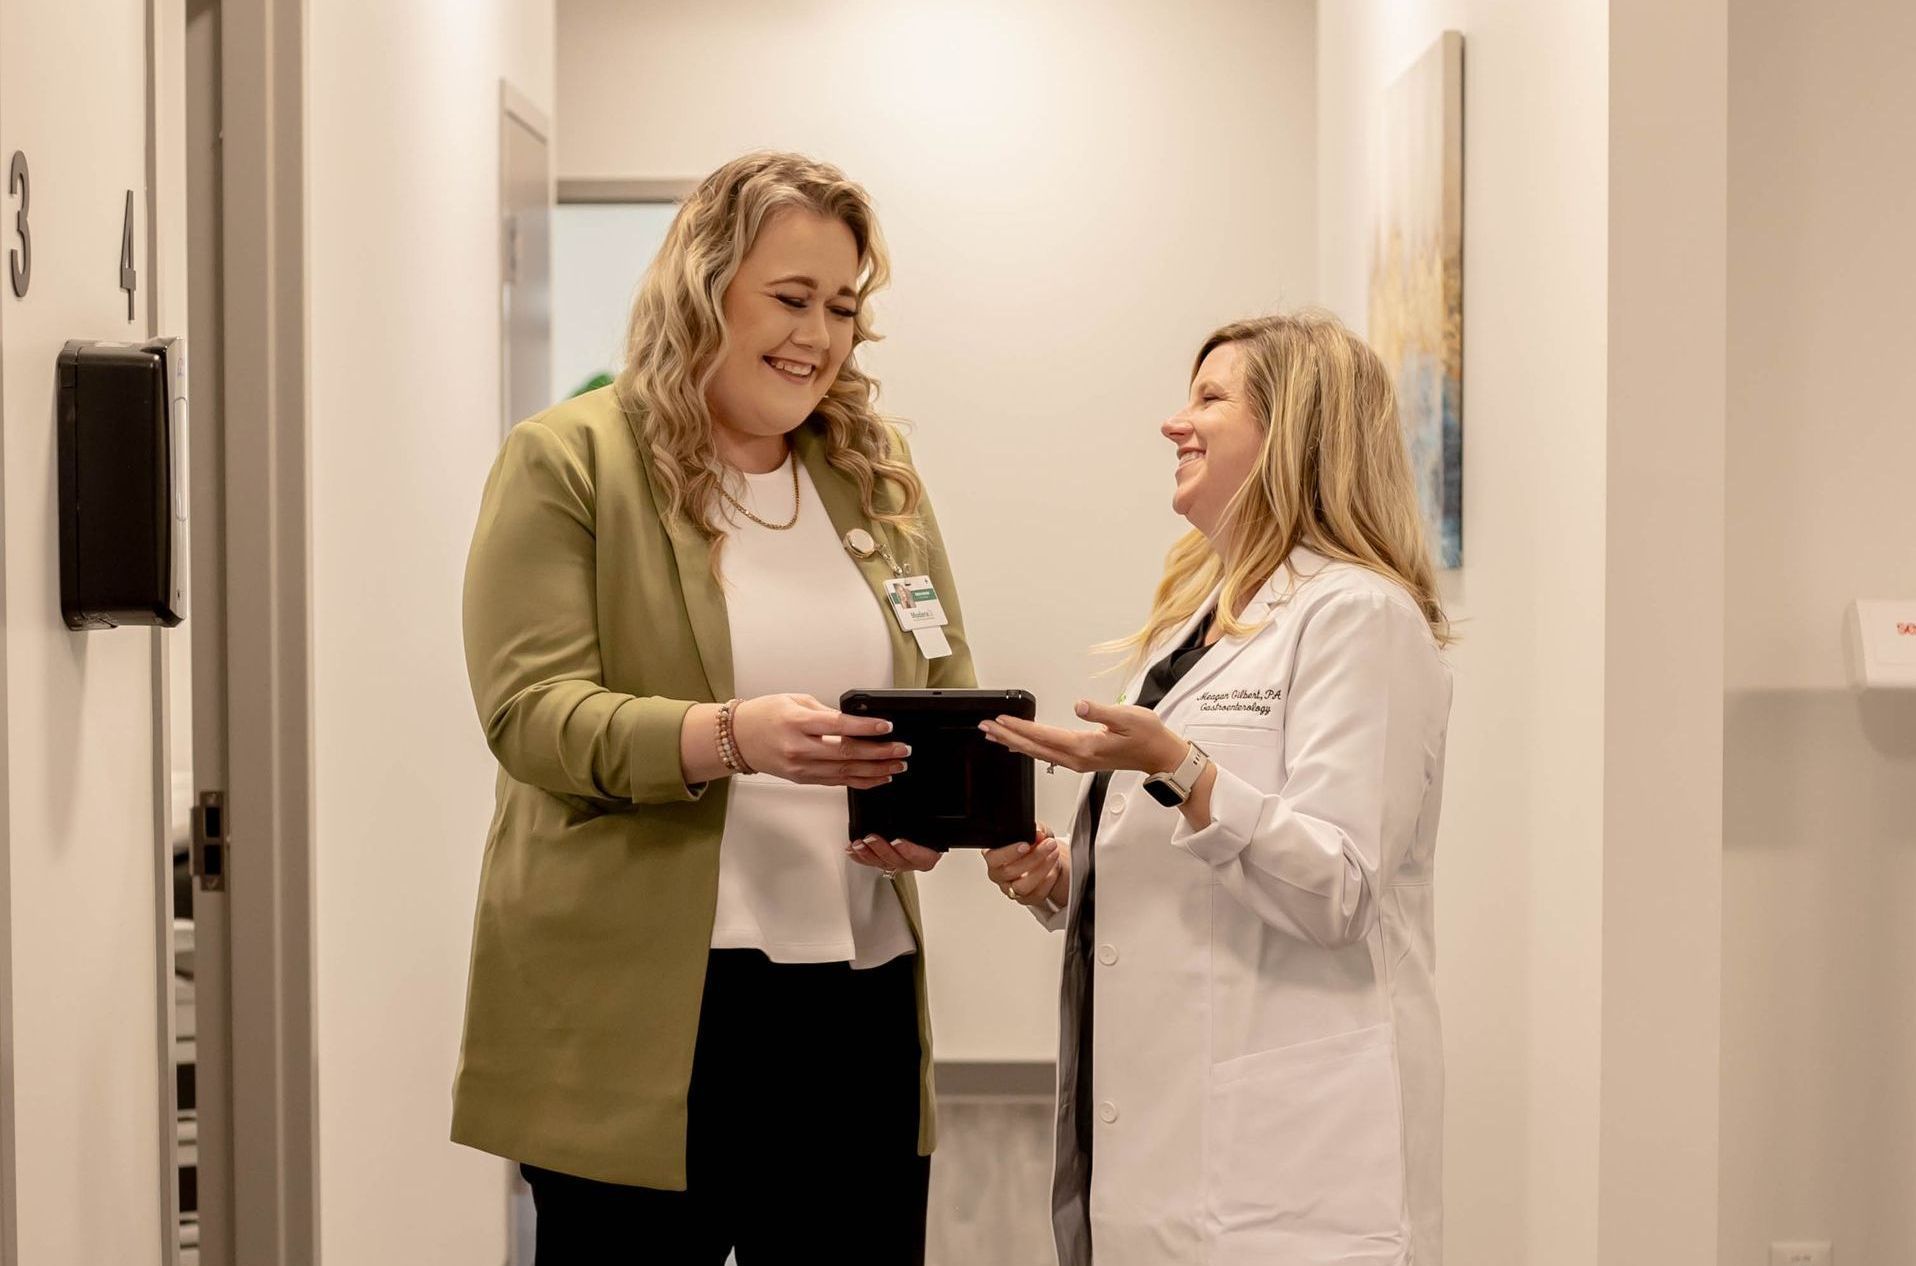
point(525, 218)
point(88, 1139)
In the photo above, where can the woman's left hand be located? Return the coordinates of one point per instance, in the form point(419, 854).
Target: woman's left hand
point(892, 856)
point(1126, 737)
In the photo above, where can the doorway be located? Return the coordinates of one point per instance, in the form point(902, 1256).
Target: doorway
point(525, 272)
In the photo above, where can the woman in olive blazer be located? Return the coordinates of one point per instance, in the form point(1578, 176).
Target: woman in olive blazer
point(600, 625)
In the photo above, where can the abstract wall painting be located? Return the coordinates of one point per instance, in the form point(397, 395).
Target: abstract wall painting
point(1417, 279)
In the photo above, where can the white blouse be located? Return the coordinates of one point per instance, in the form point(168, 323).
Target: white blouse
point(804, 621)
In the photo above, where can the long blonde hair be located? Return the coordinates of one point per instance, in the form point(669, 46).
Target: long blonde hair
point(1332, 476)
point(677, 337)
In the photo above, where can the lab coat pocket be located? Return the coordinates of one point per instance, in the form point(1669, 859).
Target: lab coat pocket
point(1251, 752)
point(1305, 1150)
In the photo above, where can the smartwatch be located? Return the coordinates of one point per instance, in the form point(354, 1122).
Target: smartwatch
point(1174, 788)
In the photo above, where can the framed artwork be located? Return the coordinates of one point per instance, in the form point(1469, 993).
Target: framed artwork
point(1417, 279)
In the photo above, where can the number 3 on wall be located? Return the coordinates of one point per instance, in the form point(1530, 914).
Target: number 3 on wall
point(21, 260)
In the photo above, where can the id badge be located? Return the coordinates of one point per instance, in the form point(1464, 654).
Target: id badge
point(915, 605)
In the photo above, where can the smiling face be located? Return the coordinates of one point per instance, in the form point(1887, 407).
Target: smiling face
point(788, 316)
point(1218, 438)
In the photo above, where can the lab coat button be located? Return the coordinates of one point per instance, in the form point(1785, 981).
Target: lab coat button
point(1107, 1112)
point(1117, 805)
point(1107, 954)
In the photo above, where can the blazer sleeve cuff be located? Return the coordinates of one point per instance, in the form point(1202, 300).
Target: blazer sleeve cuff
point(1236, 809)
point(658, 776)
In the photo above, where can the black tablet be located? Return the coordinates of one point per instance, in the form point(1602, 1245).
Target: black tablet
point(959, 789)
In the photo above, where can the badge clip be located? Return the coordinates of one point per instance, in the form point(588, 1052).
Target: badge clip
point(861, 545)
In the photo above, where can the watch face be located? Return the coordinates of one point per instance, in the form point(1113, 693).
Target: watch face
point(1163, 792)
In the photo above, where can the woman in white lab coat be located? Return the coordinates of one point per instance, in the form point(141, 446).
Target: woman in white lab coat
point(1250, 1068)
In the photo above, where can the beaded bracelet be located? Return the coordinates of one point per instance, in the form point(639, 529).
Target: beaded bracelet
point(728, 748)
point(723, 737)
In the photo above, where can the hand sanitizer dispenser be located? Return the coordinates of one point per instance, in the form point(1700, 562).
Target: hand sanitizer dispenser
point(1882, 644)
point(122, 422)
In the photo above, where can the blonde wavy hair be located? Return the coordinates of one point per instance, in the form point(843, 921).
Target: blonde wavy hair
point(677, 338)
point(1332, 475)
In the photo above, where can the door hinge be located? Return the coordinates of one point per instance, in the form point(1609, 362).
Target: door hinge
point(209, 841)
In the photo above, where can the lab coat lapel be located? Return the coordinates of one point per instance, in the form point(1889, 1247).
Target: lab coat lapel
point(1300, 565)
point(1208, 666)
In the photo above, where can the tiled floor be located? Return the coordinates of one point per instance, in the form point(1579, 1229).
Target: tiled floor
point(991, 1183)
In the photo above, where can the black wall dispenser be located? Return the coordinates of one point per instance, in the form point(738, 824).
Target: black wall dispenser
point(122, 481)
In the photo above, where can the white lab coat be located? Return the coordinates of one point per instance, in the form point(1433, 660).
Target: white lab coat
point(1267, 1071)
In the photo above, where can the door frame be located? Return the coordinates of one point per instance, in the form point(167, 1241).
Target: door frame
point(515, 109)
point(590, 190)
point(266, 593)
point(163, 215)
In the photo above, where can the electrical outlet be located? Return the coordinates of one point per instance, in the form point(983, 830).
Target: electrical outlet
point(1800, 1254)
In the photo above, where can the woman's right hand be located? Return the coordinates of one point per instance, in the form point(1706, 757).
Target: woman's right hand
point(799, 739)
point(1032, 874)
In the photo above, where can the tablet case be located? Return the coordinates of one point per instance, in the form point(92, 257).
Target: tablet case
point(960, 789)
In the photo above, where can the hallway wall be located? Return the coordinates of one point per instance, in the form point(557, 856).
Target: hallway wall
point(81, 1104)
point(403, 251)
point(1520, 853)
point(1819, 999)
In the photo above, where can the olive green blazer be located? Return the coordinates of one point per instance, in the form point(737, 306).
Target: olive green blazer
point(591, 627)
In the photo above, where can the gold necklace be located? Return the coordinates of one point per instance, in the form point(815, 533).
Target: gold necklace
point(776, 527)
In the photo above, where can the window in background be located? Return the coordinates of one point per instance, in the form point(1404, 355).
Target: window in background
point(604, 235)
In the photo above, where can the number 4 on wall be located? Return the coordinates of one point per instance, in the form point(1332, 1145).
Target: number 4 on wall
point(129, 279)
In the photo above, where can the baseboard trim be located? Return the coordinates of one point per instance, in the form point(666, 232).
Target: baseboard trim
point(996, 1079)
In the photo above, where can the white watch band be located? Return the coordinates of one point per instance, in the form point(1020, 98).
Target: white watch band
point(1175, 787)
point(1191, 768)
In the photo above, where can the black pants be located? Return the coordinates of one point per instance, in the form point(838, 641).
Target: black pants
point(803, 1132)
